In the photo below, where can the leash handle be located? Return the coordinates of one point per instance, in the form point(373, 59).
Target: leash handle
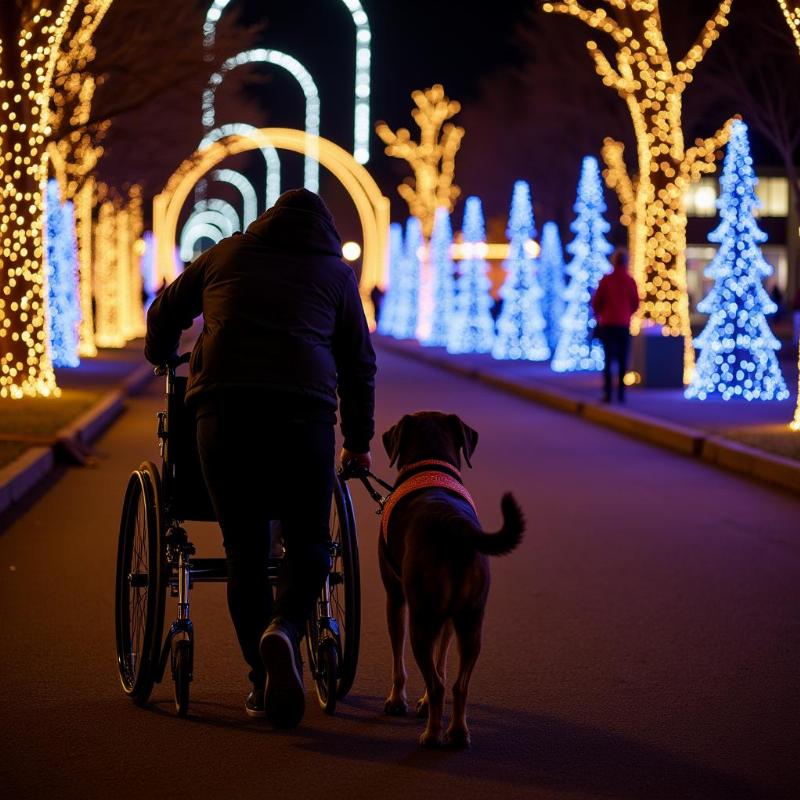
point(353, 470)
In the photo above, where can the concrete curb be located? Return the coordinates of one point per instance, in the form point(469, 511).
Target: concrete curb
point(25, 472)
point(716, 450)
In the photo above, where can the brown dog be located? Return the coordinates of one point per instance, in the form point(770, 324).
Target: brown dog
point(433, 562)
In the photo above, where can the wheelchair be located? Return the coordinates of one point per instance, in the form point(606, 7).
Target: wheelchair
point(155, 556)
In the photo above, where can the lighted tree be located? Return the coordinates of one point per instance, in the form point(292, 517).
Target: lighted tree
point(792, 14)
point(405, 326)
point(551, 279)
point(472, 330)
point(521, 325)
point(37, 42)
point(737, 347)
point(652, 86)
point(64, 311)
point(443, 282)
point(388, 316)
point(432, 159)
point(577, 349)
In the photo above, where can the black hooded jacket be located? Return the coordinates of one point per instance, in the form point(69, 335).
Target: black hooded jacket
point(282, 319)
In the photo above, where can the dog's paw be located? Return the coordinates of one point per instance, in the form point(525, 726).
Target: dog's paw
point(457, 738)
point(431, 740)
point(395, 708)
point(422, 707)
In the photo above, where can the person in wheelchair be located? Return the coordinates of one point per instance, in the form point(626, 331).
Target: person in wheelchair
point(283, 332)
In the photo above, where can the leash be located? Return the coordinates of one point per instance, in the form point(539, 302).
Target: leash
point(354, 471)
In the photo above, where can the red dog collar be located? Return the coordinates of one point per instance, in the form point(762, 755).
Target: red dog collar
point(428, 479)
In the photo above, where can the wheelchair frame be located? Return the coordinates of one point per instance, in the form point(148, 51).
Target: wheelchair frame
point(151, 535)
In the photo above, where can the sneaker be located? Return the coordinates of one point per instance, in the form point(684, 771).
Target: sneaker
point(284, 695)
point(254, 705)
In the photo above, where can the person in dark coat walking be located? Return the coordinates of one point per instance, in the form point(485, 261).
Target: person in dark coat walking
point(614, 303)
point(283, 333)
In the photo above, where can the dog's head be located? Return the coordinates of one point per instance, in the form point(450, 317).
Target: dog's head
point(430, 434)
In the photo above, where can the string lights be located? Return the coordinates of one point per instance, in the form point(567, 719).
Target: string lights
point(245, 188)
point(432, 159)
point(443, 283)
point(577, 348)
point(34, 49)
point(792, 14)
point(108, 296)
point(299, 73)
point(737, 347)
point(652, 87)
point(363, 60)
point(388, 315)
point(407, 283)
point(271, 159)
point(521, 325)
point(551, 279)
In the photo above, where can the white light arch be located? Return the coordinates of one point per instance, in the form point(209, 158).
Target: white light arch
point(191, 235)
point(361, 127)
point(213, 207)
point(298, 72)
point(245, 188)
point(271, 159)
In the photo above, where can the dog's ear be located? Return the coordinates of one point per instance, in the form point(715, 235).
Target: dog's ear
point(465, 437)
point(391, 440)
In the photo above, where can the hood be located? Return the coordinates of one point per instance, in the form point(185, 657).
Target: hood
point(299, 220)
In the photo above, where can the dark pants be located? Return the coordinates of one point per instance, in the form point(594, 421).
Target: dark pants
point(260, 466)
point(616, 341)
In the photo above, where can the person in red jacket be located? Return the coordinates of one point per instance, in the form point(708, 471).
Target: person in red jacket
point(614, 303)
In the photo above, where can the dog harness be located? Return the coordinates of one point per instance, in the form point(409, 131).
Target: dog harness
point(427, 479)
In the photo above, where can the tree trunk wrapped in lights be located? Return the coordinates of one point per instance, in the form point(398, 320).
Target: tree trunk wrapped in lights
point(37, 43)
point(652, 86)
point(109, 302)
point(136, 326)
point(737, 347)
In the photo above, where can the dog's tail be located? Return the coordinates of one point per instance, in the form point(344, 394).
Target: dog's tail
point(509, 536)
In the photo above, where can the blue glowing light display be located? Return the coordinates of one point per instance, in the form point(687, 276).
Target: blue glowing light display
point(521, 326)
point(737, 348)
point(472, 330)
point(551, 279)
point(388, 315)
point(444, 298)
point(405, 326)
point(63, 297)
point(576, 348)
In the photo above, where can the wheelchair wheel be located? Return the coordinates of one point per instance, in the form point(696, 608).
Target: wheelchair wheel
point(345, 607)
point(345, 585)
point(182, 674)
point(141, 584)
point(326, 675)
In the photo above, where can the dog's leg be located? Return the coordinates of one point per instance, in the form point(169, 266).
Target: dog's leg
point(441, 666)
point(468, 632)
point(424, 635)
point(397, 701)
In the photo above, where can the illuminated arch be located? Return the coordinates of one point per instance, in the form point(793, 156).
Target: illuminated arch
point(372, 207)
point(245, 188)
point(361, 127)
point(270, 154)
point(223, 207)
point(298, 72)
point(192, 234)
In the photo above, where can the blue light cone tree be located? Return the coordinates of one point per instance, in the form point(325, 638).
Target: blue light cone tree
point(520, 327)
point(473, 327)
point(405, 326)
point(388, 317)
point(737, 348)
point(63, 298)
point(444, 298)
point(576, 349)
point(551, 280)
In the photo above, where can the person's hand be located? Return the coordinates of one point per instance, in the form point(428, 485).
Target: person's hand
point(363, 460)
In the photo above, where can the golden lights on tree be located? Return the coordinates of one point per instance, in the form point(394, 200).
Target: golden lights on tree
point(37, 45)
point(432, 159)
point(792, 14)
point(652, 87)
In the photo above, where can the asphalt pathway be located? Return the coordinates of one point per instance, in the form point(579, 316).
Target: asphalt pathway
point(642, 643)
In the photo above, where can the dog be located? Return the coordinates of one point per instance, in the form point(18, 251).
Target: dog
point(433, 557)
